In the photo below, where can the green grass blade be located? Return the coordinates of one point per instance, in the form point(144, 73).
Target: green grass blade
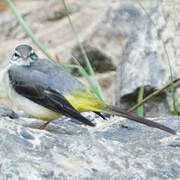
point(175, 107)
point(86, 75)
point(93, 83)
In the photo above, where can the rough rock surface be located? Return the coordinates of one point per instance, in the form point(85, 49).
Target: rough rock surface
point(144, 61)
point(114, 149)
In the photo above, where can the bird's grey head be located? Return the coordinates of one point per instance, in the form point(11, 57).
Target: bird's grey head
point(23, 55)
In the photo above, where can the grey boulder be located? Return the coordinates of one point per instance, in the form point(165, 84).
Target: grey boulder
point(115, 149)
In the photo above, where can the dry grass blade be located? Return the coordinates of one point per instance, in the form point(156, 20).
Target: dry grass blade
point(140, 109)
point(155, 93)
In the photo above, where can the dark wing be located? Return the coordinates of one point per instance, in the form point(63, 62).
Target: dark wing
point(48, 98)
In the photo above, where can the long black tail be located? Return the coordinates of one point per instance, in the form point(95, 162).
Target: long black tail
point(116, 111)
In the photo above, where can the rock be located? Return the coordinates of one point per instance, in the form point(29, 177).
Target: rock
point(114, 149)
point(144, 61)
point(7, 112)
point(99, 62)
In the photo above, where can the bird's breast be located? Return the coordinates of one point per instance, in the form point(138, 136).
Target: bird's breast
point(29, 106)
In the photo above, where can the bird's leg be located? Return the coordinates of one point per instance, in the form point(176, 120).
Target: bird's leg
point(45, 124)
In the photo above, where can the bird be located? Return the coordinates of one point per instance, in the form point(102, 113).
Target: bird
point(47, 91)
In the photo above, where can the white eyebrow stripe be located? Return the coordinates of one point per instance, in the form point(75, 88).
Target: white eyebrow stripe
point(16, 52)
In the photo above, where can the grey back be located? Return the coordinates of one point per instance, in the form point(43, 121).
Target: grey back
point(43, 72)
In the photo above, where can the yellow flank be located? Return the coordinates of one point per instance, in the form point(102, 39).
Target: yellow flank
point(85, 101)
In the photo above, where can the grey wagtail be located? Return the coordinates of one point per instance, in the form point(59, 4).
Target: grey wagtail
point(47, 91)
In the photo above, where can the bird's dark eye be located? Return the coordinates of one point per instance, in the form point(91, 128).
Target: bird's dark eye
point(16, 55)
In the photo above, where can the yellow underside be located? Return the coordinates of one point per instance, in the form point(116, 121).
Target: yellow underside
point(85, 101)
